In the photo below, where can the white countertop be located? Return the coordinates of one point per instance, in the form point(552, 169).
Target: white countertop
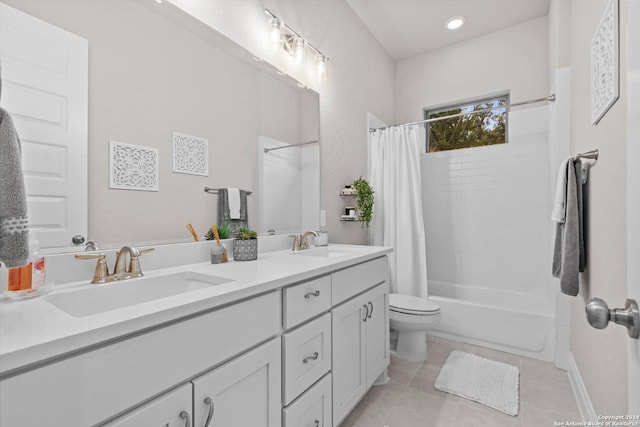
point(34, 331)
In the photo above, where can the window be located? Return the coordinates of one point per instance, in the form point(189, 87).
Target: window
point(486, 127)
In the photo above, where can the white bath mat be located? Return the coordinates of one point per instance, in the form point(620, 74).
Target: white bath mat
point(485, 381)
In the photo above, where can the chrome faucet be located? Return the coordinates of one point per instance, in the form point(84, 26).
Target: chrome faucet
point(300, 241)
point(120, 270)
point(296, 242)
point(304, 243)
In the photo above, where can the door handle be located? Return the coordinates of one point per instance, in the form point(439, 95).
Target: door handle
point(366, 313)
point(599, 315)
point(370, 312)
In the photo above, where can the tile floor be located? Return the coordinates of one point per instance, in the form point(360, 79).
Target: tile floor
point(409, 399)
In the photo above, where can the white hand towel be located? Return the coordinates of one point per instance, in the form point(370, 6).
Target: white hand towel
point(559, 204)
point(234, 202)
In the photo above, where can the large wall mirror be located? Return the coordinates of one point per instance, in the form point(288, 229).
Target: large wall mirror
point(154, 71)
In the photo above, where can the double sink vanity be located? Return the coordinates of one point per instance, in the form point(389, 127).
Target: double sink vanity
point(291, 339)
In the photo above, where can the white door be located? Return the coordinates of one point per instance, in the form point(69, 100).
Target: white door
point(243, 392)
point(633, 192)
point(44, 88)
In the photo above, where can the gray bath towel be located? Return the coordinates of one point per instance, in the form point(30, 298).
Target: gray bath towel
point(14, 227)
point(224, 215)
point(569, 250)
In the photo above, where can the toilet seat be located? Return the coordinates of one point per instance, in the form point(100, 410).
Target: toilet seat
point(409, 304)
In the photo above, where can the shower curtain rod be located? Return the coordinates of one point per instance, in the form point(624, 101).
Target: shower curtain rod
point(266, 150)
point(551, 97)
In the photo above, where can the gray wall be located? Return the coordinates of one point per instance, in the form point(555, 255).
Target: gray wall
point(514, 59)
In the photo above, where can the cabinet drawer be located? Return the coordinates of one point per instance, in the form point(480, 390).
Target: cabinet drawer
point(169, 410)
point(95, 385)
point(307, 356)
point(353, 280)
point(306, 300)
point(312, 409)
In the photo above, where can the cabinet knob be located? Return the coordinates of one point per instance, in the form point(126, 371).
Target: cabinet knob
point(209, 402)
point(312, 294)
point(316, 423)
point(370, 311)
point(314, 357)
point(366, 312)
point(186, 417)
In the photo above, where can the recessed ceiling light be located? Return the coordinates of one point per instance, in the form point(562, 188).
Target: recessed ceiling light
point(454, 23)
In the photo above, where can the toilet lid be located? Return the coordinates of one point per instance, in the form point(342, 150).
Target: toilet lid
point(411, 304)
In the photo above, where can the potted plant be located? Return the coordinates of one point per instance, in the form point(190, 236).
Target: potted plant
point(245, 245)
point(364, 203)
point(224, 231)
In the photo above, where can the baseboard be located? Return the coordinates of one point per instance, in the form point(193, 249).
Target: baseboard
point(585, 406)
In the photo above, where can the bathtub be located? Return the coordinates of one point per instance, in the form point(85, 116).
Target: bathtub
point(508, 321)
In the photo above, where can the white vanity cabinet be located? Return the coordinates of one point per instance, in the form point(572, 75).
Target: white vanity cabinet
point(95, 385)
point(360, 331)
point(293, 355)
point(243, 392)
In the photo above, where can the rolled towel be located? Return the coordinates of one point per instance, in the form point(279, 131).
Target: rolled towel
point(233, 195)
point(14, 226)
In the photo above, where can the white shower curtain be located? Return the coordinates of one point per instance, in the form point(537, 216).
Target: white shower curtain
point(394, 174)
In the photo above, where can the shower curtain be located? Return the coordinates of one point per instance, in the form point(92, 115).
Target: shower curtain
point(394, 174)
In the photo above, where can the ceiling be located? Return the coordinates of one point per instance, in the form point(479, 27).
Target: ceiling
point(409, 27)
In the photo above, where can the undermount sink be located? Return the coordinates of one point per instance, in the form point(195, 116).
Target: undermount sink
point(327, 251)
point(95, 299)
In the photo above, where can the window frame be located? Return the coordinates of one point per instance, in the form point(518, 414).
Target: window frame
point(505, 96)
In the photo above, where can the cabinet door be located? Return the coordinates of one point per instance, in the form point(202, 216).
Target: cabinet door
point(172, 409)
point(349, 376)
point(242, 392)
point(377, 354)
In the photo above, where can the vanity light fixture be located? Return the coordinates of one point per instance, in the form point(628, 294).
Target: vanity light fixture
point(454, 23)
point(299, 49)
point(321, 68)
point(281, 35)
point(275, 26)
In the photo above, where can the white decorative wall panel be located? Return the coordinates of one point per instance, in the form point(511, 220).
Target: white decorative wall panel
point(190, 154)
point(132, 167)
point(605, 63)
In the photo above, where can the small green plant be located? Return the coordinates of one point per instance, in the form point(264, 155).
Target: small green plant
point(245, 233)
point(223, 231)
point(364, 203)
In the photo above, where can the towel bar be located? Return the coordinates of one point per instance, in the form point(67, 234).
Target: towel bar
point(593, 155)
point(215, 191)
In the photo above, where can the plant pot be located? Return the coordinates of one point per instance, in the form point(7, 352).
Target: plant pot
point(245, 250)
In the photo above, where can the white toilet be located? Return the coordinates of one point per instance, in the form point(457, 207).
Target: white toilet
point(412, 317)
